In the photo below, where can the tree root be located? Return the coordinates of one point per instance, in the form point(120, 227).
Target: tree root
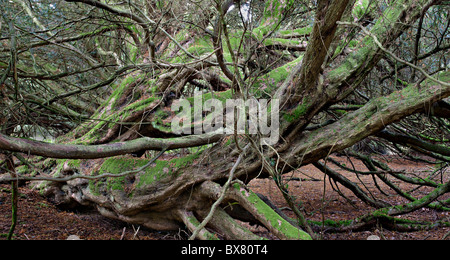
point(192, 223)
point(229, 227)
point(261, 211)
point(157, 198)
point(386, 222)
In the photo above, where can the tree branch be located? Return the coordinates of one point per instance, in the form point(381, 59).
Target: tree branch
point(412, 141)
point(368, 120)
point(221, 197)
point(325, 26)
point(395, 56)
point(121, 13)
point(350, 185)
point(67, 151)
point(87, 177)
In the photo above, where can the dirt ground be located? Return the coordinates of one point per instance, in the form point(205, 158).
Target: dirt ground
point(330, 205)
point(38, 219)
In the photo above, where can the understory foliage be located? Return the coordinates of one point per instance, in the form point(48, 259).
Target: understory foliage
point(87, 89)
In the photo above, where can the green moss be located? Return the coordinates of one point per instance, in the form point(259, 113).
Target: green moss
point(157, 172)
point(273, 13)
point(93, 133)
point(298, 112)
point(360, 8)
point(367, 47)
point(134, 51)
point(443, 76)
point(3, 65)
point(209, 236)
point(275, 220)
point(152, 87)
point(158, 121)
point(265, 86)
point(165, 169)
point(140, 104)
point(344, 44)
point(297, 32)
point(287, 42)
point(112, 166)
point(59, 167)
point(25, 169)
point(276, 8)
point(75, 164)
point(353, 62)
point(120, 89)
point(221, 96)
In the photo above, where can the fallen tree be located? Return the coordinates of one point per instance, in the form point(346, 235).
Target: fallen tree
point(92, 165)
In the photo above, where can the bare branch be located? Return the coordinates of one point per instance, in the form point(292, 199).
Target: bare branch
point(67, 151)
point(86, 177)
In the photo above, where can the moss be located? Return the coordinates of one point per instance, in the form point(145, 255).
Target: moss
point(120, 88)
point(221, 96)
point(59, 167)
point(194, 221)
point(125, 83)
point(75, 164)
point(201, 46)
point(113, 166)
point(275, 9)
point(367, 47)
point(287, 42)
point(134, 51)
point(344, 44)
point(442, 76)
point(297, 32)
point(140, 104)
point(275, 220)
point(360, 8)
point(93, 134)
point(109, 113)
point(298, 112)
point(273, 13)
point(152, 87)
point(165, 169)
point(265, 86)
point(159, 120)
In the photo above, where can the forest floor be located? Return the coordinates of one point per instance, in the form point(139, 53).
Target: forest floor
point(38, 219)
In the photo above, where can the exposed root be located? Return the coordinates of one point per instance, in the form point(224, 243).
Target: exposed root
point(388, 223)
point(192, 224)
point(266, 215)
point(262, 212)
point(229, 227)
point(156, 198)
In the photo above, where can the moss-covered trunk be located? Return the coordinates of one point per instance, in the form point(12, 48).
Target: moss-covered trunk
point(168, 195)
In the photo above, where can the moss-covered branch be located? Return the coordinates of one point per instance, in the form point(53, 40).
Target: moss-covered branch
point(266, 215)
point(414, 142)
point(368, 120)
point(67, 151)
